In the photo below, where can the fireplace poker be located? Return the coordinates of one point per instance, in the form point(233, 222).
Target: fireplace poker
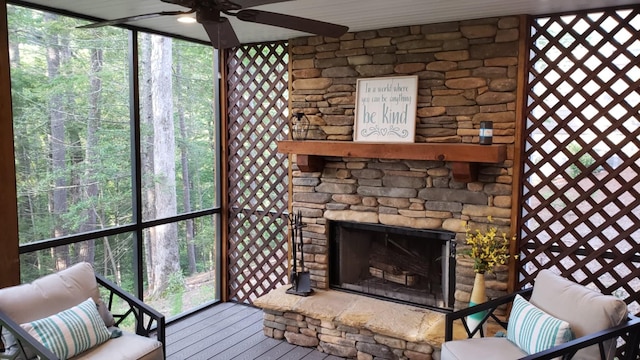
point(302, 284)
point(294, 271)
point(304, 277)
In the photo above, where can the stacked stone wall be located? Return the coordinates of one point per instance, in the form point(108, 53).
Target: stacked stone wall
point(341, 340)
point(467, 73)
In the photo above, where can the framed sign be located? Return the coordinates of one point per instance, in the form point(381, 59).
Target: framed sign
point(386, 109)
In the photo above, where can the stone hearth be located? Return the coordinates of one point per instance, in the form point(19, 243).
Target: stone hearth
point(350, 325)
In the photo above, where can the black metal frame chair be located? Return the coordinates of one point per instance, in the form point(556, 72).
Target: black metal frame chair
point(148, 322)
point(629, 330)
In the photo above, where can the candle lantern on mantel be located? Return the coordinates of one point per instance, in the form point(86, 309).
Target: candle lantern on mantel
point(299, 125)
point(486, 132)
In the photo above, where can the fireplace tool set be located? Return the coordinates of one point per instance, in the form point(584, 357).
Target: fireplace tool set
point(300, 280)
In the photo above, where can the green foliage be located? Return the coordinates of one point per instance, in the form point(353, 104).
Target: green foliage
point(175, 292)
point(586, 160)
point(177, 303)
point(176, 283)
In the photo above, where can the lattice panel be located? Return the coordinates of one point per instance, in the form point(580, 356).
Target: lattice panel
point(581, 190)
point(258, 181)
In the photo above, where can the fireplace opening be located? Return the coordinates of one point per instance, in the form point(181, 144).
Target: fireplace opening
point(407, 265)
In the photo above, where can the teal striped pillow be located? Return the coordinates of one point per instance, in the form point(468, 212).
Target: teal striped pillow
point(533, 330)
point(71, 331)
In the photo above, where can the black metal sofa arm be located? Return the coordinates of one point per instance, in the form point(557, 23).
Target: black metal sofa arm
point(154, 321)
point(23, 341)
point(630, 328)
point(490, 306)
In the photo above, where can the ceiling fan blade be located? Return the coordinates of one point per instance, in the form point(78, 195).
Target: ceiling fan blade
point(244, 4)
point(133, 18)
point(221, 34)
point(292, 22)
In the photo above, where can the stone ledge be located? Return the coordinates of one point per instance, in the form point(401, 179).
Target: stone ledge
point(409, 323)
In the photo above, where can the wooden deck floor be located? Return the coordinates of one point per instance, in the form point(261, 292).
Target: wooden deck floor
point(230, 331)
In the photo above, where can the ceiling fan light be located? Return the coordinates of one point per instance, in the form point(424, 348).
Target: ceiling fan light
point(186, 19)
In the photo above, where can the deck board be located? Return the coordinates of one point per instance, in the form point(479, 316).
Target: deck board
point(298, 353)
point(230, 331)
point(198, 318)
point(256, 351)
point(213, 330)
point(236, 350)
point(277, 351)
point(315, 355)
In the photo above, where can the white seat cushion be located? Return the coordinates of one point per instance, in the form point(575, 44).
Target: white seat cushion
point(127, 346)
point(494, 348)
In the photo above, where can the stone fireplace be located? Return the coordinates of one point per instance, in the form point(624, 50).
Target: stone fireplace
point(467, 72)
point(410, 195)
point(407, 265)
point(402, 197)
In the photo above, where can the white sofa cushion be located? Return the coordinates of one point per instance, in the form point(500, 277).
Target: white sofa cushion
point(71, 331)
point(587, 311)
point(533, 330)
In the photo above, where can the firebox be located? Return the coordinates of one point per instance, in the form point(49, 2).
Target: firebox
point(407, 265)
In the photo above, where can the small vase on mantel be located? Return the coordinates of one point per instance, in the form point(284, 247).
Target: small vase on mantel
point(478, 296)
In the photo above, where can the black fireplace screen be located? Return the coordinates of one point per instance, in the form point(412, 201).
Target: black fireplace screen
point(400, 264)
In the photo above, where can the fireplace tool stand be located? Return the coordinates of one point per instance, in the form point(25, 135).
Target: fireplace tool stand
point(300, 280)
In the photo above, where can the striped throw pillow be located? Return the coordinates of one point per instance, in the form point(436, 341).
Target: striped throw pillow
point(533, 330)
point(71, 331)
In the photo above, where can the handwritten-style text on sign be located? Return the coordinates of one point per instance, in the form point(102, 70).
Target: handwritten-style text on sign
point(386, 109)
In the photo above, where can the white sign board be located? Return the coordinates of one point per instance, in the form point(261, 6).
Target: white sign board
point(386, 109)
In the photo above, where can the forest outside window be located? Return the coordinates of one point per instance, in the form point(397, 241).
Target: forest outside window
point(108, 178)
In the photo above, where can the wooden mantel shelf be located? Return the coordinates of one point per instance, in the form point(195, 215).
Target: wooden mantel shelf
point(464, 157)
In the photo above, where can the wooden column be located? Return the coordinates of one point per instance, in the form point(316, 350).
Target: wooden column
point(9, 260)
point(519, 150)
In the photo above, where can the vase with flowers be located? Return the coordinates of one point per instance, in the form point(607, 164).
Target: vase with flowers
point(487, 251)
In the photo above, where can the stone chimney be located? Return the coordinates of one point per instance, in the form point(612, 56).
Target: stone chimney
point(467, 73)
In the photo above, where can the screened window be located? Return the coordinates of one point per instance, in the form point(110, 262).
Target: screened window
point(112, 171)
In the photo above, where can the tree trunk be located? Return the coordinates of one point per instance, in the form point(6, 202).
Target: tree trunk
point(14, 53)
point(90, 195)
point(165, 243)
point(109, 259)
point(184, 159)
point(213, 250)
point(146, 152)
point(58, 149)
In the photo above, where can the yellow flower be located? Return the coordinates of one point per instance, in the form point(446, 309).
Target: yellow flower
point(486, 250)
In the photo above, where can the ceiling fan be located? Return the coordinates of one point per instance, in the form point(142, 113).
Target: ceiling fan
point(219, 29)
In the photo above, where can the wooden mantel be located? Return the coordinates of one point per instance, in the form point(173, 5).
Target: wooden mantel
point(463, 157)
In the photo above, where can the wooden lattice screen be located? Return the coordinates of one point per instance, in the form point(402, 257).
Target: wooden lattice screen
point(258, 182)
point(581, 183)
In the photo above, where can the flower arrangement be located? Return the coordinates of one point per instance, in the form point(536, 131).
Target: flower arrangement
point(486, 250)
